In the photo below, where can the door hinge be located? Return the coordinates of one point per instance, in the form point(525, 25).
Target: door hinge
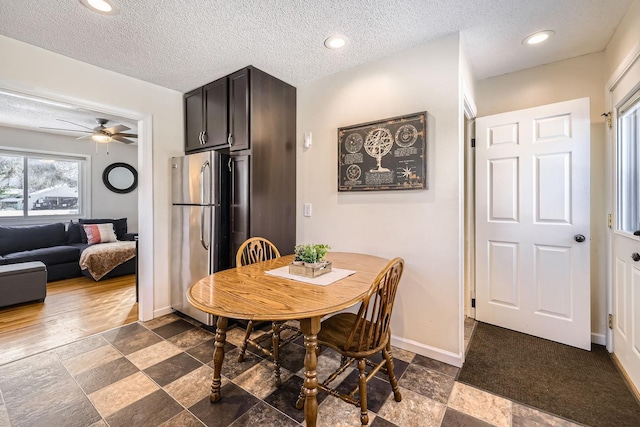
point(609, 221)
point(608, 119)
point(610, 321)
point(473, 143)
point(473, 303)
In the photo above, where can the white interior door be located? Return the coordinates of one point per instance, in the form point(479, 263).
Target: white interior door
point(532, 221)
point(626, 245)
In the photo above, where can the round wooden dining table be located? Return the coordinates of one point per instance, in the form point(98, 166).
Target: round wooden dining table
point(249, 293)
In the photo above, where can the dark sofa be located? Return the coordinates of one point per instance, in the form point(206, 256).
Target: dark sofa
point(56, 247)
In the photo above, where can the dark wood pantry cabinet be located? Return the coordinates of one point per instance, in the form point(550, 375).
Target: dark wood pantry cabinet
point(259, 137)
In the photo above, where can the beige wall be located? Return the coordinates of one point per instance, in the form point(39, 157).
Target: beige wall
point(37, 71)
point(104, 203)
point(625, 40)
point(561, 81)
point(422, 226)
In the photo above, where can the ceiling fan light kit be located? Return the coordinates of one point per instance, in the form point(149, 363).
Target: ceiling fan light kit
point(102, 139)
point(102, 134)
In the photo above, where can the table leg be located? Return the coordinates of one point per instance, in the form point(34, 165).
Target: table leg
point(310, 329)
point(218, 357)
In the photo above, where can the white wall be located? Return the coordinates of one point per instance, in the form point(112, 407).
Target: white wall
point(467, 77)
point(37, 71)
point(104, 203)
point(625, 40)
point(422, 226)
point(561, 81)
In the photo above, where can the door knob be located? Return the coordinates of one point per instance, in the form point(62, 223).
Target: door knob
point(579, 238)
point(635, 256)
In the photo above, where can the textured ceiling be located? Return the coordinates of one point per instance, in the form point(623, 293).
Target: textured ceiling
point(33, 113)
point(183, 44)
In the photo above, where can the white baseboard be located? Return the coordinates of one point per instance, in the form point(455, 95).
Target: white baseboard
point(162, 311)
point(427, 351)
point(600, 339)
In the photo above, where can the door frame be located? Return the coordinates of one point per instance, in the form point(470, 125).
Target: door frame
point(145, 181)
point(466, 214)
point(612, 83)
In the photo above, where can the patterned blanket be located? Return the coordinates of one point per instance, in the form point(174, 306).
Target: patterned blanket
point(100, 259)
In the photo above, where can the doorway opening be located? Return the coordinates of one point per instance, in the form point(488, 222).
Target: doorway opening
point(120, 291)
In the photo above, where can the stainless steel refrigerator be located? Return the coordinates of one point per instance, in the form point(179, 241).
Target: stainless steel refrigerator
point(197, 225)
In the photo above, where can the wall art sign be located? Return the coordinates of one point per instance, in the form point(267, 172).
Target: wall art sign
point(383, 155)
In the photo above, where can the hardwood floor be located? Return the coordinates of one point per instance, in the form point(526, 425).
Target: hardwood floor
point(73, 309)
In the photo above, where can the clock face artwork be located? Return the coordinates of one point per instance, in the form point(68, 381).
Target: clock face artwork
point(406, 135)
point(385, 155)
point(353, 172)
point(353, 143)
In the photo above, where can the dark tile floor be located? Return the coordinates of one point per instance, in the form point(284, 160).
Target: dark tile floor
point(158, 373)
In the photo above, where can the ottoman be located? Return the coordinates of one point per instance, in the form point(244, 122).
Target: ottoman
point(22, 282)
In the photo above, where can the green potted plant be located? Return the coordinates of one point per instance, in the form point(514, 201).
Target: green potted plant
point(309, 260)
point(310, 254)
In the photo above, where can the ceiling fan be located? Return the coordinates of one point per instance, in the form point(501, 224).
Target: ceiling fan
point(101, 133)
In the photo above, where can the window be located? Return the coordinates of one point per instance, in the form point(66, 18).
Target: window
point(35, 185)
point(628, 158)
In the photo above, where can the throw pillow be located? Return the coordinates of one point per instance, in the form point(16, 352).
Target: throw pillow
point(74, 235)
point(99, 233)
point(119, 225)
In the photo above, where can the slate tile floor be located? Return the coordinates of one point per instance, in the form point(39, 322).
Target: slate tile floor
point(158, 373)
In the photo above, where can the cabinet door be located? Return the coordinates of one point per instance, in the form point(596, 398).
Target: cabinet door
point(239, 110)
point(239, 202)
point(215, 113)
point(194, 116)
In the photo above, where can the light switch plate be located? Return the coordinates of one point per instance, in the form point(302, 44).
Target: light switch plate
point(307, 209)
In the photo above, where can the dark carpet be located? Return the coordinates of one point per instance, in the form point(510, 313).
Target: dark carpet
point(576, 384)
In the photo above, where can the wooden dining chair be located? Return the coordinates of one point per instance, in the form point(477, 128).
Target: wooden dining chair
point(359, 336)
point(254, 250)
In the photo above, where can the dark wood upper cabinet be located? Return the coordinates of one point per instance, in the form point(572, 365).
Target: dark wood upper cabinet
point(239, 110)
point(194, 120)
point(217, 115)
point(206, 116)
point(215, 99)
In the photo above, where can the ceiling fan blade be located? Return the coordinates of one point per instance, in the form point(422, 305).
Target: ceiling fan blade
point(127, 135)
point(120, 138)
point(76, 124)
point(84, 137)
point(69, 130)
point(116, 129)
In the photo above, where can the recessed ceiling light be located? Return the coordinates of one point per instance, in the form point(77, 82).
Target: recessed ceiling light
point(100, 6)
point(538, 37)
point(336, 42)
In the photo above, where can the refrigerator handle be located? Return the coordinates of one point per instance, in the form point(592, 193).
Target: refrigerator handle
point(202, 242)
point(205, 165)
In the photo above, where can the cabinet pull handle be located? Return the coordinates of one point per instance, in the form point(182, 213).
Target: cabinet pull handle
point(229, 164)
point(204, 137)
point(200, 137)
point(230, 140)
